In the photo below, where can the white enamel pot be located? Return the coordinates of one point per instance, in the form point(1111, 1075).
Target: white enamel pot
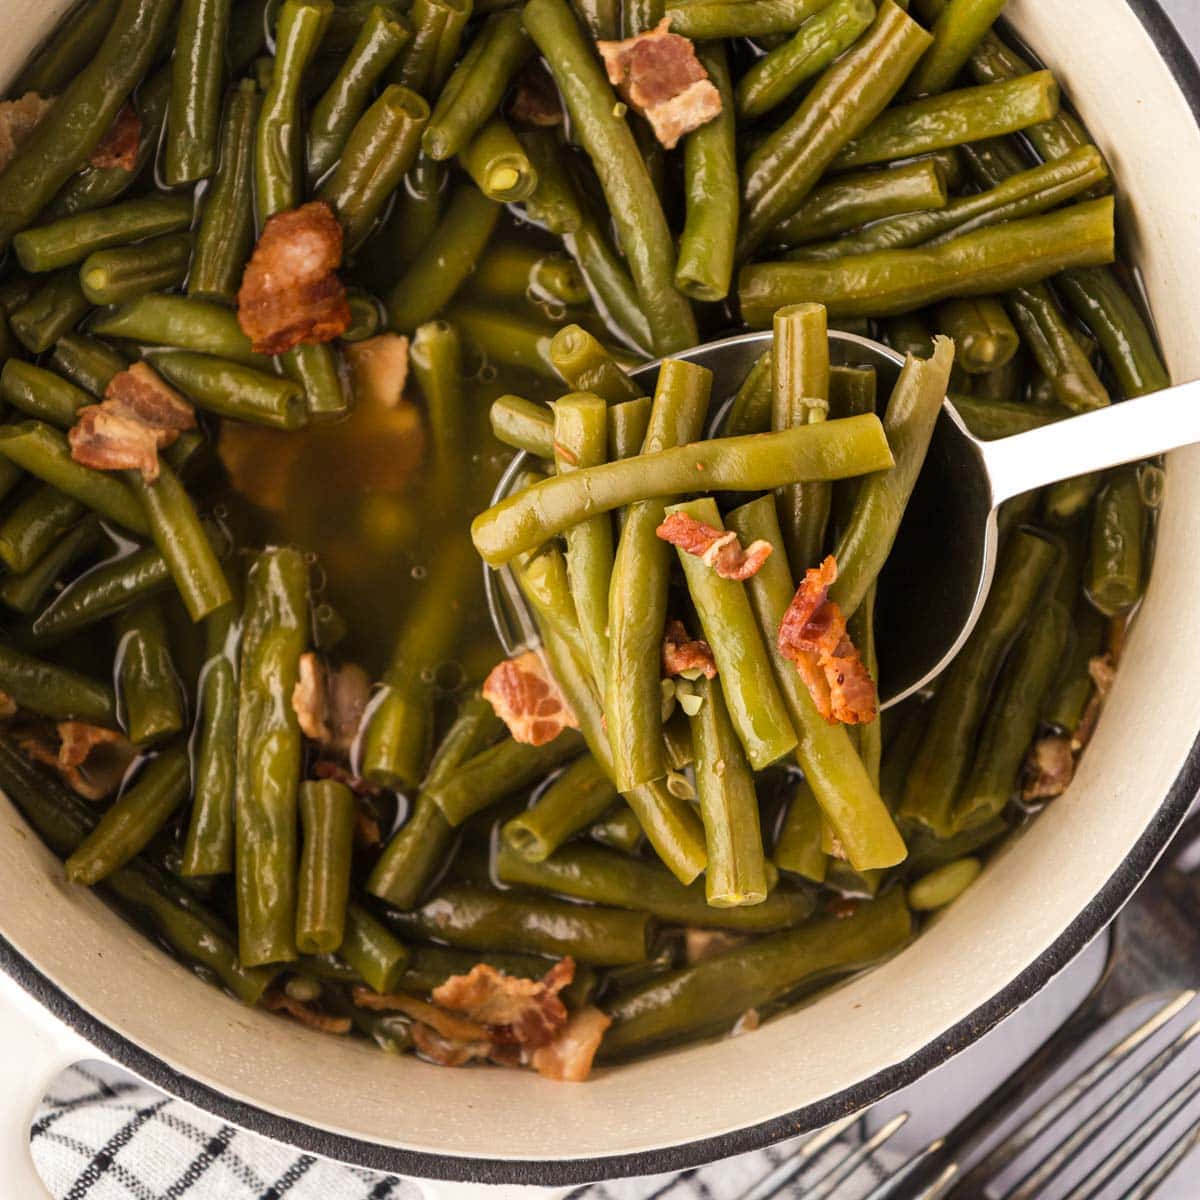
point(104, 990)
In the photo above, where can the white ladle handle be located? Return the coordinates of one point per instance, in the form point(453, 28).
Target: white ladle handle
point(1108, 437)
point(34, 1047)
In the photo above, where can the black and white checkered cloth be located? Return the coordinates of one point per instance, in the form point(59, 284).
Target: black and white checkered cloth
point(100, 1134)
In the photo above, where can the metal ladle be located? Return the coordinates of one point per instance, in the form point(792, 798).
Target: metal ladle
point(940, 570)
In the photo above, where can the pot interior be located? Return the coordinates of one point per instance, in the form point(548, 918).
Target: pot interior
point(949, 980)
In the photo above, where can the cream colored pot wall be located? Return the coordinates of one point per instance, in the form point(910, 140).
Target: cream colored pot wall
point(1028, 896)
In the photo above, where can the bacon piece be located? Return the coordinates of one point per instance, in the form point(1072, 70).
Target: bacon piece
point(813, 636)
point(682, 653)
point(107, 441)
point(535, 99)
point(329, 702)
point(436, 1018)
point(379, 366)
point(91, 760)
point(141, 394)
point(716, 548)
point(8, 706)
point(1048, 769)
point(326, 768)
point(282, 1002)
point(366, 828)
point(524, 1012)
point(660, 76)
point(446, 1051)
point(119, 146)
point(699, 944)
point(526, 697)
point(569, 1057)
point(18, 119)
point(290, 290)
point(1102, 668)
point(748, 1022)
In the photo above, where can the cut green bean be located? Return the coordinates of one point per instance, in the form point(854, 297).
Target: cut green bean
point(524, 425)
point(579, 795)
point(983, 336)
point(958, 29)
point(327, 817)
point(798, 847)
point(943, 885)
point(114, 276)
point(197, 71)
point(708, 20)
point(53, 691)
point(26, 590)
point(41, 394)
point(53, 310)
point(1114, 576)
point(233, 390)
point(587, 366)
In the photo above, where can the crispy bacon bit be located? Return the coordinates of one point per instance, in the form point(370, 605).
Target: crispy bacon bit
point(682, 653)
point(748, 1022)
point(8, 706)
point(841, 907)
point(379, 366)
point(660, 76)
point(282, 1002)
point(326, 768)
point(119, 146)
point(568, 1059)
point(329, 702)
point(107, 441)
point(141, 394)
point(1048, 769)
point(290, 290)
point(436, 1018)
point(1102, 669)
point(448, 1052)
point(18, 119)
point(535, 98)
point(813, 636)
point(699, 944)
point(716, 548)
point(91, 760)
point(524, 1012)
point(527, 699)
point(366, 828)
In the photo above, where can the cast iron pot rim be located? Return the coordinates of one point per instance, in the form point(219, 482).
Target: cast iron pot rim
point(1099, 911)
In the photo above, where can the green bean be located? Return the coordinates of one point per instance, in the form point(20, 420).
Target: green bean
point(327, 817)
point(708, 20)
point(798, 846)
point(182, 542)
point(194, 114)
point(278, 153)
point(442, 265)
point(609, 282)
point(988, 419)
point(225, 234)
point(628, 424)
point(126, 828)
point(458, 13)
point(587, 366)
point(834, 771)
point(147, 684)
point(848, 96)
point(517, 271)
point(380, 39)
point(316, 369)
point(1075, 383)
point(641, 227)
point(984, 338)
point(708, 997)
point(182, 323)
point(366, 316)
point(524, 425)
point(751, 408)
point(43, 452)
point(1110, 313)
point(274, 633)
point(638, 592)
point(581, 440)
point(436, 360)
point(831, 450)
point(498, 164)
point(82, 114)
point(968, 115)
point(25, 590)
point(417, 64)
point(372, 950)
point(1072, 693)
point(54, 691)
point(1025, 194)
point(233, 390)
point(505, 339)
point(943, 885)
point(71, 239)
point(1067, 500)
point(1012, 717)
point(54, 309)
point(888, 282)
point(103, 591)
point(208, 849)
point(814, 46)
point(34, 524)
point(41, 394)
point(474, 91)
point(958, 29)
point(856, 199)
point(67, 50)
point(579, 795)
point(743, 667)
point(395, 743)
point(943, 758)
point(114, 276)
point(1115, 572)
point(86, 362)
point(800, 389)
point(483, 920)
point(553, 203)
point(706, 246)
point(618, 829)
point(415, 854)
point(380, 149)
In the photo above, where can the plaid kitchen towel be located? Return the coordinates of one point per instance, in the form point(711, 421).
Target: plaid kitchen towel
point(100, 1134)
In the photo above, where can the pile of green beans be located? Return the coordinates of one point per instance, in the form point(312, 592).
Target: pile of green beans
point(282, 638)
